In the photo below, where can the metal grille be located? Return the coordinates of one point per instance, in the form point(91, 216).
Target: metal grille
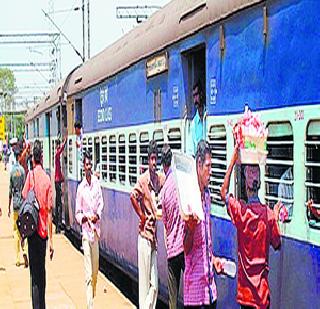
point(133, 159)
point(104, 158)
point(312, 164)
point(159, 138)
point(279, 166)
point(218, 145)
point(122, 158)
point(112, 158)
point(143, 150)
point(174, 138)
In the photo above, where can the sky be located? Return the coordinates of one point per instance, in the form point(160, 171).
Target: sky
point(19, 16)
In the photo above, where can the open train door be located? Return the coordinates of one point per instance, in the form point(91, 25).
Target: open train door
point(194, 71)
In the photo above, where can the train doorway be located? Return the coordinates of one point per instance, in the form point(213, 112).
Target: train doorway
point(194, 72)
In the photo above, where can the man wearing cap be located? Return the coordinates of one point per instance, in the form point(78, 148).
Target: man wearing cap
point(257, 229)
point(17, 179)
point(13, 143)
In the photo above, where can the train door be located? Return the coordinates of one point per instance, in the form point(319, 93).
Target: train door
point(194, 72)
point(47, 141)
point(96, 156)
point(78, 117)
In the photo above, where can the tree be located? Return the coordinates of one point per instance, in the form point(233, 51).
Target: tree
point(7, 88)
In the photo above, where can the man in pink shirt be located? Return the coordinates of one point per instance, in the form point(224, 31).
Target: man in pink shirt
point(89, 206)
point(199, 286)
point(174, 228)
point(40, 182)
point(257, 230)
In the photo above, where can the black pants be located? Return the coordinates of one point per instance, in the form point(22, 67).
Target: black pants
point(212, 306)
point(175, 267)
point(58, 210)
point(37, 260)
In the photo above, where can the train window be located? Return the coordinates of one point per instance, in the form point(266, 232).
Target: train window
point(104, 158)
point(218, 145)
point(312, 163)
point(112, 158)
point(157, 101)
point(96, 157)
point(174, 138)
point(159, 138)
point(279, 166)
point(132, 159)
point(70, 163)
point(90, 146)
point(122, 158)
point(143, 150)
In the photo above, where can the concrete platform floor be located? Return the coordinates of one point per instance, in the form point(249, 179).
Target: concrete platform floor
point(65, 273)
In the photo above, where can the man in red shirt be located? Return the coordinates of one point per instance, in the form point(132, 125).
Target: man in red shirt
point(257, 229)
point(58, 179)
point(39, 181)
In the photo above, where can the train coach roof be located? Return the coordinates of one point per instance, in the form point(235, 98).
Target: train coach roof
point(49, 100)
point(176, 20)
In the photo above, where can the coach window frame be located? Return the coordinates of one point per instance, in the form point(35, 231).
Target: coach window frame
point(217, 138)
point(280, 158)
point(144, 140)
point(133, 158)
point(121, 161)
point(312, 169)
point(112, 162)
point(104, 158)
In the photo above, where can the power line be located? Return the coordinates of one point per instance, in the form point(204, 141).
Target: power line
point(60, 31)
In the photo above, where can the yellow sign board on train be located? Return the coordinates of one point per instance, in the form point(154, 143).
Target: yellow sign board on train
point(2, 128)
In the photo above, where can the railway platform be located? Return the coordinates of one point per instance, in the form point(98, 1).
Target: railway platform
point(65, 273)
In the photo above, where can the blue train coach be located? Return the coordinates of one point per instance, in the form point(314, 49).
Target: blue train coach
point(261, 53)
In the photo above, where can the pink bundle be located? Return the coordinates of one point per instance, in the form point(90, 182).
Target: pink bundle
point(249, 130)
point(251, 135)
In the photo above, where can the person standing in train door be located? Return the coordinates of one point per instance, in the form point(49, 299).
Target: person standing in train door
point(199, 286)
point(198, 125)
point(58, 179)
point(144, 198)
point(174, 228)
point(89, 206)
point(257, 229)
point(79, 149)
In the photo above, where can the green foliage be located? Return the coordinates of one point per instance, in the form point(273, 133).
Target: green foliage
point(7, 88)
point(18, 125)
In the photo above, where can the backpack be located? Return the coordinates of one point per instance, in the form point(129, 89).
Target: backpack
point(27, 221)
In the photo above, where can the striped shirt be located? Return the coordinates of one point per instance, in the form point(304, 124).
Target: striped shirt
point(172, 221)
point(198, 275)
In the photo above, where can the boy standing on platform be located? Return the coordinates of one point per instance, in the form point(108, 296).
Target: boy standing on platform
point(143, 198)
point(89, 206)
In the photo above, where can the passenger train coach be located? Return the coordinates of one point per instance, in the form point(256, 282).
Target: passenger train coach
point(261, 53)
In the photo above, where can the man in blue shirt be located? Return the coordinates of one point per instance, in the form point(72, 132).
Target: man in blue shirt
point(17, 179)
point(198, 128)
